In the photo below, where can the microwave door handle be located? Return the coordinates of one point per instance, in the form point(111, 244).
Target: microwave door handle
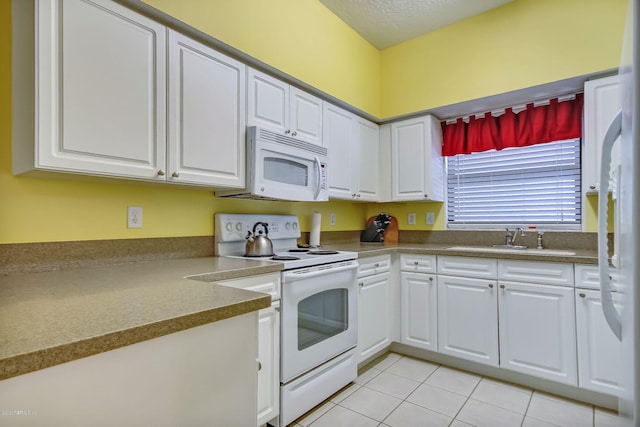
point(610, 313)
point(318, 176)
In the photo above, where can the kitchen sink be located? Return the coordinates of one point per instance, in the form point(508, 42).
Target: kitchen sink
point(501, 249)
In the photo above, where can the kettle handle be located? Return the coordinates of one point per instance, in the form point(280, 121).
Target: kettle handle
point(264, 225)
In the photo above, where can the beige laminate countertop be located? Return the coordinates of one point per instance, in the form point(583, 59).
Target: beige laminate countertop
point(581, 256)
point(55, 317)
point(59, 316)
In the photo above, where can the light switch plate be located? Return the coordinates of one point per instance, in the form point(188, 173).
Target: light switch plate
point(134, 217)
point(411, 219)
point(430, 219)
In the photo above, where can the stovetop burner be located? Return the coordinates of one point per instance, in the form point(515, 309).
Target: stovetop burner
point(299, 250)
point(258, 256)
point(284, 258)
point(322, 252)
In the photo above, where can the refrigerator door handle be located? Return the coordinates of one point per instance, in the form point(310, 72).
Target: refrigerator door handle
point(610, 313)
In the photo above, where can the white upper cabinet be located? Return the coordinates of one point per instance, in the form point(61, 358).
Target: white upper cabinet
point(417, 168)
point(99, 107)
point(601, 103)
point(338, 135)
point(274, 104)
point(353, 155)
point(366, 183)
point(206, 115)
point(104, 104)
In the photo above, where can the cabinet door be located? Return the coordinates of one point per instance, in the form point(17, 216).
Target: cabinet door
point(206, 115)
point(419, 315)
point(269, 363)
point(373, 315)
point(366, 161)
point(416, 160)
point(101, 89)
point(537, 331)
point(602, 100)
point(306, 116)
point(267, 101)
point(467, 319)
point(338, 137)
point(599, 350)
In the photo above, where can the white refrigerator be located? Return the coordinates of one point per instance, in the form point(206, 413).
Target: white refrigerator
point(625, 322)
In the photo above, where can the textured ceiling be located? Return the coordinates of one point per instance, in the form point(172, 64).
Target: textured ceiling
point(385, 23)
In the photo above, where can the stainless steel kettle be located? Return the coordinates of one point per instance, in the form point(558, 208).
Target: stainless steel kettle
point(259, 244)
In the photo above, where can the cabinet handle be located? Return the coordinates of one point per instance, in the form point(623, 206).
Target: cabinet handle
point(160, 172)
point(277, 309)
point(294, 133)
point(431, 279)
point(415, 262)
point(259, 365)
point(426, 196)
point(353, 195)
point(287, 132)
point(582, 295)
point(592, 187)
point(502, 286)
point(361, 284)
point(175, 174)
point(358, 195)
point(376, 265)
point(490, 286)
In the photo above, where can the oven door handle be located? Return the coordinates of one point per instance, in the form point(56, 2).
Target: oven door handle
point(292, 276)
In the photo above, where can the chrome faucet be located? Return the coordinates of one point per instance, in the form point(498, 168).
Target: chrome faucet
point(510, 239)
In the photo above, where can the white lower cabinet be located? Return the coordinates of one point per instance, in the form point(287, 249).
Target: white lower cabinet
point(268, 363)
point(537, 319)
point(537, 330)
point(268, 343)
point(599, 350)
point(418, 301)
point(374, 309)
point(467, 318)
point(419, 314)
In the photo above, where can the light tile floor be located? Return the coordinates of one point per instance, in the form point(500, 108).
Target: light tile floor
point(399, 391)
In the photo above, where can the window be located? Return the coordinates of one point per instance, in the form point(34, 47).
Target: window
point(535, 185)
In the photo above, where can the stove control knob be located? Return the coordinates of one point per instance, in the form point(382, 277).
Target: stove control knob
point(295, 225)
point(287, 226)
point(238, 226)
point(229, 226)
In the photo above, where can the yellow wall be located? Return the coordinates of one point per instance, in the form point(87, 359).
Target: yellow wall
point(521, 44)
point(303, 39)
point(299, 37)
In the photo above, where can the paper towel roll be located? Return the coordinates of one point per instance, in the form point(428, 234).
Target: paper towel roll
point(314, 236)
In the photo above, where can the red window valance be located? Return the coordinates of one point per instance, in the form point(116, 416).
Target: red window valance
point(533, 125)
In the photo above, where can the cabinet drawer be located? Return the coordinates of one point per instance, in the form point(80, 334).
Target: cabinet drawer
point(418, 263)
point(265, 283)
point(545, 273)
point(481, 268)
point(374, 265)
point(588, 277)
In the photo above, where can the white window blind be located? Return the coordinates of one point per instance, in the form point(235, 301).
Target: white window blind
point(535, 185)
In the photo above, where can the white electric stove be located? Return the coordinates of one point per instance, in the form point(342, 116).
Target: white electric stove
point(318, 309)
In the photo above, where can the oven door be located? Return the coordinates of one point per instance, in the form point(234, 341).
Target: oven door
point(319, 316)
point(291, 171)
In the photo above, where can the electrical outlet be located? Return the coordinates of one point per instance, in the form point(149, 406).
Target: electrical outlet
point(430, 218)
point(332, 218)
point(134, 217)
point(411, 218)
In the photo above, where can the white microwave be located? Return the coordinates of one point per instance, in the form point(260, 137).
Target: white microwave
point(283, 168)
